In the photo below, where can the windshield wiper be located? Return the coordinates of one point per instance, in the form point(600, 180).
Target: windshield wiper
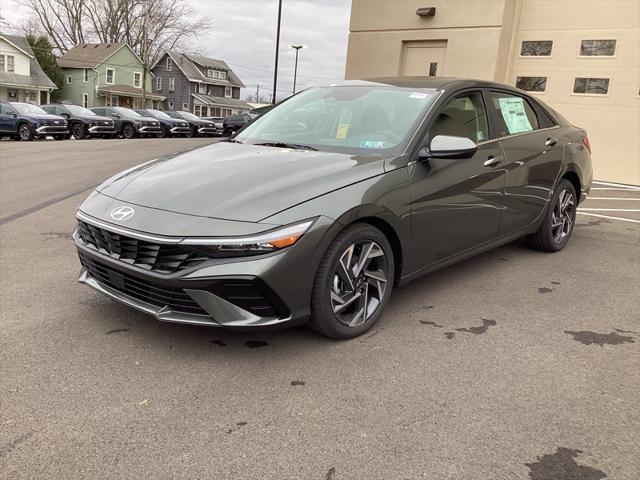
point(232, 140)
point(295, 146)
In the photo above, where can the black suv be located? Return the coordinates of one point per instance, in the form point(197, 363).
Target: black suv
point(199, 126)
point(170, 127)
point(25, 122)
point(233, 123)
point(82, 122)
point(129, 124)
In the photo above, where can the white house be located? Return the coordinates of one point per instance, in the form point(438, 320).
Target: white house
point(21, 77)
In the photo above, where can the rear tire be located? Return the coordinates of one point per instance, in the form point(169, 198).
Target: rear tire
point(353, 283)
point(559, 220)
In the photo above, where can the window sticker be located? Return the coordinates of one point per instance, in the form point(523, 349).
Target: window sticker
point(479, 135)
point(343, 125)
point(373, 144)
point(514, 115)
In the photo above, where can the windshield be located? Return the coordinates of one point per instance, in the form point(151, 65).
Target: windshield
point(27, 108)
point(188, 116)
point(126, 112)
point(158, 114)
point(77, 110)
point(345, 119)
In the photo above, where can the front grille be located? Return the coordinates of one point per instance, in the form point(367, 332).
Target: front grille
point(161, 258)
point(174, 298)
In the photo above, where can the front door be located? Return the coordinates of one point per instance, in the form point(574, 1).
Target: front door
point(534, 154)
point(424, 58)
point(457, 204)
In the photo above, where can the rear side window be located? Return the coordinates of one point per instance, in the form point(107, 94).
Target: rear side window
point(514, 114)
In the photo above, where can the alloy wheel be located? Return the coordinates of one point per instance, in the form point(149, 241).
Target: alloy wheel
point(78, 131)
point(25, 132)
point(562, 216)
point(359, 283)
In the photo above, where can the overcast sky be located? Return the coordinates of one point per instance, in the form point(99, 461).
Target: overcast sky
point(244, 32)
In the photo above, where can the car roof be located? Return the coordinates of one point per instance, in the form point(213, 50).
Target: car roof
point(432, 83)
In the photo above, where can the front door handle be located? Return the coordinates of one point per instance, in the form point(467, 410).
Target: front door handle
point(493, 161)
point(551, 142)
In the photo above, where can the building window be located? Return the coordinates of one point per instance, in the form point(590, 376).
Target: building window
point(536, 48)
point(532, 84)
point(210, 73)
point(136, 103)
point(228, 91)
point(158, 84)
point(185, 107)
point(10, 63)
point(169, 63)
point(597, 48)
point(170, 104)
point(196, 110)
point(69, 79)
point(593, 86)
point(2, 63)
point(172, 84)
point(110, 76)
point(85, 75)
point(204, 111)
point(85, 100)
point(202, 88)
point(137, 79)
point(223, 75)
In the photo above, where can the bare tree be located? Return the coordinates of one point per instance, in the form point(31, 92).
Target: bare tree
point(170, 24)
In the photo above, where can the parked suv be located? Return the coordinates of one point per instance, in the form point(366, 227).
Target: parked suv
point(218, 122)
point(199, 126)
point(169, 127)
point(128, 123)
point(233, 123)
point(82, 122)
point(25, 122)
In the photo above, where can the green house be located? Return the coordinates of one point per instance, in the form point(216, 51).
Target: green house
point(106, 74)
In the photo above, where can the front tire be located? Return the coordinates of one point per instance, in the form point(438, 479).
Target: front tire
point(559, 221)
point(191, 133)
point(25, 132)
point(128, 131)
point(78, 131)
point(164, 133)
point(353, 283)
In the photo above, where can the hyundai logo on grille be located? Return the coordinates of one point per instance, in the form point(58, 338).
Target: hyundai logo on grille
point(56, 122)
point(122, 213)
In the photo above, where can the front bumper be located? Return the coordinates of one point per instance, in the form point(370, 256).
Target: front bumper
point(151, 129)
point(103, 129)
point(208, 131)
point(52, 130)
point(179, 129)
point(260, 291)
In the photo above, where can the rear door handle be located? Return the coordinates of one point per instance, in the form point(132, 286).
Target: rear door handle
point(551, 142)
point(493, 161)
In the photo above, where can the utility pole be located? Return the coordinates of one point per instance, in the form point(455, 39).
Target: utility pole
point(275, 68)
point(144, 55)
point(258, 93)
point(295, 71)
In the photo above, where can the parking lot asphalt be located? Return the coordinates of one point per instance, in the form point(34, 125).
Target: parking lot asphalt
point(512, 365)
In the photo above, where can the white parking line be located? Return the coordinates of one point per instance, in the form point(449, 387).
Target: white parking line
point(607, 216)
point(619, 185)
point(631, 199)
point(610, 209)
point(611, 189)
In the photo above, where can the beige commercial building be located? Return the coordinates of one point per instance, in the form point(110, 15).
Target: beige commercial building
point(582, 57)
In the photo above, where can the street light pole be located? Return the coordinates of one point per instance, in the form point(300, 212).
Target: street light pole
point(295, 71)
point(275, 68)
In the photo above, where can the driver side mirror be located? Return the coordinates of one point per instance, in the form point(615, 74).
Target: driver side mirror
point(449, 147)
point(65, 115)
point(115, 115)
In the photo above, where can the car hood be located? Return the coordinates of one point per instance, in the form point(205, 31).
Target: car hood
point(238, 182)
point(42, 116)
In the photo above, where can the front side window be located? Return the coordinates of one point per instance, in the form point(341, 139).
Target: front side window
point(532, 84)
point(111, 74)
point(464, 116)
point(346, 119)
point(598, 48)
point(137, 79)
point(536, 48)
point(514, 114)
point(594, 86)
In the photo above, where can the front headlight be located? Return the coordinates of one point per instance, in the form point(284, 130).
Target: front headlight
point(266, 242)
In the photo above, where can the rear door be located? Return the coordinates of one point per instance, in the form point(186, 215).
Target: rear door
point(533, 151)
point(457, 203)
point(7, 119)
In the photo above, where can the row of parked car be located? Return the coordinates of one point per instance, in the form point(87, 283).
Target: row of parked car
point(24, 121)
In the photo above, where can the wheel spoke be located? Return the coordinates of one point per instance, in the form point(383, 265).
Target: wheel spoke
point(358, 318)
point(343, 303)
